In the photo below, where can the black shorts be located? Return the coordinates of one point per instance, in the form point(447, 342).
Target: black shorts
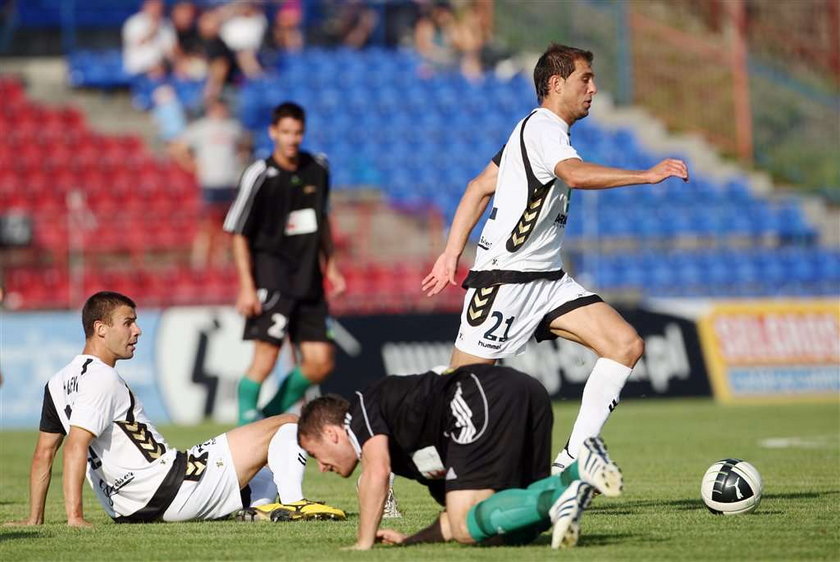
point(302, 319)
point(504, 440)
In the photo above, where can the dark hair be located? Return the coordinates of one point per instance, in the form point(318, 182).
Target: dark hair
point(329, 409)
point(288, 109)
point(100, 306)
point(557, 60)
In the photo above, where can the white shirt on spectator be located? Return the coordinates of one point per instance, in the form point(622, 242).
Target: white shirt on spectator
point(244, 32)
point(146, 44)
point(215, 144)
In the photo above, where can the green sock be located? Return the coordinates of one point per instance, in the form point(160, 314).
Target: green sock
point(514, 510)
point(247, 393)
point(570, 474)
point(291, 390)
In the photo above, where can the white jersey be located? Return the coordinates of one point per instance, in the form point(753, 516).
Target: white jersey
point(131, 468)
point(522, 238)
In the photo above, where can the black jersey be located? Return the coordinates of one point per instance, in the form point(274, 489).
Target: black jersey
point(424, 415)
point(282, 214)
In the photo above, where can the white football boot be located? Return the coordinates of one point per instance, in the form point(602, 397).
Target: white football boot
point(596, 468)
point(566, 512)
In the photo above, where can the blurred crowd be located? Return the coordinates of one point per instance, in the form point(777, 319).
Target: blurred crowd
point(220, 45)
point(223, 43)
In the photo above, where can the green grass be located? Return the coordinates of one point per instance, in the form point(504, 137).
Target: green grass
point(664, 447)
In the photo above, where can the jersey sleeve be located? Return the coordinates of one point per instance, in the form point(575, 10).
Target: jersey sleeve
point(549, 144)
point(239, 216)
point(50, 421)
point(96, 404)
point(497, 159)
point(322, 159)
point(365, 417)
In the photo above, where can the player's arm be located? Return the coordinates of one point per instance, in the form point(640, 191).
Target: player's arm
point(586, 175)
point(473, 203)
point(373, 489)
point(331, 271)
point(75, 464)
point(40, 476)
point(247, 302)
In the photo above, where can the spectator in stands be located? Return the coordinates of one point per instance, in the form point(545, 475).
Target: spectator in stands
point(214, 148)
point(148, 40)
point(286, 33)
point(188, 55)
point(221, 61)
point(348, 23)
point(446, 39)
point(243, 30)
point(168, 113)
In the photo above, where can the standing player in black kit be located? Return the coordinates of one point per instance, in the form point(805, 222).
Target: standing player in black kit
point(283, 249)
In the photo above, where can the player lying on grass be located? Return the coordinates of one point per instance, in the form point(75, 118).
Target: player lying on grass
point(478, 437)
point(134, 473)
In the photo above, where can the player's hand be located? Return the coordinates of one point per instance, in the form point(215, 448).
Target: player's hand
point(338, 285)
point(390, 536)
point(247, 303)
point(78, 522)
point(670, 167)
point(443, 272)
point(23, 523)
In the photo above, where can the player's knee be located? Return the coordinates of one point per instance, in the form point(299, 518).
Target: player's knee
point(634, 349)
point(627, 349)
point(461, 534)
point(316, 370)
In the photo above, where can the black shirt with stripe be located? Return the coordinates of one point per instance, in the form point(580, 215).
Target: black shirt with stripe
point(268, 194)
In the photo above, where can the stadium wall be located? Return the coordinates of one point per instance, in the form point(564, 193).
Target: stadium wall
point(190, 358)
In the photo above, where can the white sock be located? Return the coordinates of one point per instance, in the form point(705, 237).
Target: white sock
point(263, 489)
point(600, 395)
point(287, 462)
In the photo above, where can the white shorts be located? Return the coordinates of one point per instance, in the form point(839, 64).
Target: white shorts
point(211, 488)
point(498, 321)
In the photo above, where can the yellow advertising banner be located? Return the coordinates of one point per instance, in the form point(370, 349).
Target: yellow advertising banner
point(764, 351)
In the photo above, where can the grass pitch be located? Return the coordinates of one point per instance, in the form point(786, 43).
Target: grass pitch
point(664, 447)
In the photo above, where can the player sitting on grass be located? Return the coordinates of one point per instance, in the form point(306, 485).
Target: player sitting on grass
point(478, 437)
point(134, 473)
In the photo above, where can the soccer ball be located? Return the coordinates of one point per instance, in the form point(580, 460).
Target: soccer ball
point(731, 487)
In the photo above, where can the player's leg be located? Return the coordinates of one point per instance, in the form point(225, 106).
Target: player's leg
point(249, 445)
point(268, 330)
point(248, 390)
point(599, 327)
point(286, 462)
point(518, 515)
point(460, 358)
point(307, 329)
point(317, 360)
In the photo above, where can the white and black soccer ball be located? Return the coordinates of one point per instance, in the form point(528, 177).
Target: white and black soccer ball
point(731, 487)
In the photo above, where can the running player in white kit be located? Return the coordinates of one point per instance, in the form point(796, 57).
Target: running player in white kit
point(517, 287)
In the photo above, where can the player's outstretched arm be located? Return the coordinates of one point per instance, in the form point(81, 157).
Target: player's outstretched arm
point(373, 489)
point(586, 175)
point(472, 205)
point(40, 475)
point(75, 462)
